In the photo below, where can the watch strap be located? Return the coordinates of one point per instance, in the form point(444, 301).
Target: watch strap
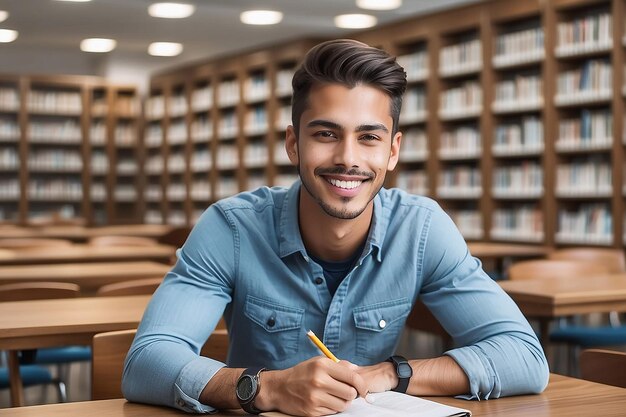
point(403, 378)
point(248, 406)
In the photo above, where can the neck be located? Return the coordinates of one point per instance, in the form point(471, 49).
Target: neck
point(327, 237)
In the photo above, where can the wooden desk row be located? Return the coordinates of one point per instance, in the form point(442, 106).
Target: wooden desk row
point(82, 234)
point(89, 276)
point(81, 253)
point(564, 396)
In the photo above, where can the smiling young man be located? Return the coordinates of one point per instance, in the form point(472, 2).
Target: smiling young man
point(335, 253)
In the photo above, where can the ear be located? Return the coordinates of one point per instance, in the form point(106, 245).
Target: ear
point(395, 151)
point(291, 145)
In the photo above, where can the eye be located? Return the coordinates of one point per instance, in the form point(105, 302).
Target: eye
point(325, 134)
point(369, 137)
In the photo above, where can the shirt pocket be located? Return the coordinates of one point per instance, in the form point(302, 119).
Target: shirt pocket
point(275, 329)
point(378, 327)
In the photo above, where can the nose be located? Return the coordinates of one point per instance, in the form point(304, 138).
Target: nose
point(346, 152)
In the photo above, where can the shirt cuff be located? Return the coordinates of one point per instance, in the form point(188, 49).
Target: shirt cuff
point(190, 383)
point(480, 372)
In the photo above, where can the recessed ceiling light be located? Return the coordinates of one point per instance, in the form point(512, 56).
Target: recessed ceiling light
point(165, 49)
point(261, 17)
point(97, 45)
point(171, 10)
point(75, 1)
point(7, 35)
point(379, 4)
point(3, 15)
point(355, 21)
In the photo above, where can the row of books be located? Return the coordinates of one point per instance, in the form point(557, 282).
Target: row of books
point(9, 188)
point(522, 90)
point(67, 131)
point(594, 77)
point(9, 129)
point(55, 189)
point(525, 178)
point(589, 223)
point(256, 88)
point(461, 57)
point(414, 145)
point(461, 177)
point(9, 158)
point(593, 128)
point(9, 99)
point(55, 159)
point(582, 178)
point(201, 160)
point(515, 46)
point(595, 28)
point(460, 99)
point(55, 102)
point(461, 141)
point(524, 222)
point(523, 135)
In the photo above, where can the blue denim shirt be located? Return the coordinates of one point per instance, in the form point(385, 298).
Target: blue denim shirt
point(245, 259)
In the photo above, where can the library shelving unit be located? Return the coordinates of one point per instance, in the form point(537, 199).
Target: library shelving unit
point(217, 128)
point(518, 141)
point(513, 119)
point(58, 150)
point(10, 151)
point(584, 142)
point(154, 163)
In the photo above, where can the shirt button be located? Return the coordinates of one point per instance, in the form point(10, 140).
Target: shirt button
point(181, 403)
point(382, 323)
point(319, 281)
point(271, 321)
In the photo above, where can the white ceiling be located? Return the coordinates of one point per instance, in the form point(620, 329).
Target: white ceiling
point(53, 27)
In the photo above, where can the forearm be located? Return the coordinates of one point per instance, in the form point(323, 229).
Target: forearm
point(437, 376)
point(219, 392)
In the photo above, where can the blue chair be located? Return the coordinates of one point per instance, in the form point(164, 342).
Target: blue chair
point(33, 375)
point(58, 356)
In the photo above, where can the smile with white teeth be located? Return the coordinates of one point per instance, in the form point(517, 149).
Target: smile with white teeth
point(347, 185)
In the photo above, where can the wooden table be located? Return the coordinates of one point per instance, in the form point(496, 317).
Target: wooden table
point(564, 397)
point(82, 234)
point(89, 276)
point(44, 323)
point(547, 299)
point(81, 253)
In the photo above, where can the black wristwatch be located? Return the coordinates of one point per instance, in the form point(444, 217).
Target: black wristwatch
point(247, 388)
point(404, 372)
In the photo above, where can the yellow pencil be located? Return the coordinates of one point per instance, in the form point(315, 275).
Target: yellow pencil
point(321, 346)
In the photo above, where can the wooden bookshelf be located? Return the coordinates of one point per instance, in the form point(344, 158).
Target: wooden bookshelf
point(513, 119)
point(57, 149)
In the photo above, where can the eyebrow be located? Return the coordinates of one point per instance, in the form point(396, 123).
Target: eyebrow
point(360, 128)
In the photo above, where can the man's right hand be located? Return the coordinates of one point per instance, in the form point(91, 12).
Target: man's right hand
point(314, 387)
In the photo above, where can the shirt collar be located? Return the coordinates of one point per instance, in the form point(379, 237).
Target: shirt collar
point(289, 228)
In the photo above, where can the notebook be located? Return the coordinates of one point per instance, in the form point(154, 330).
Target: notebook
point(393, 404)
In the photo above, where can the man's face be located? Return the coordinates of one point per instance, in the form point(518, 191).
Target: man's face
point(344, 149)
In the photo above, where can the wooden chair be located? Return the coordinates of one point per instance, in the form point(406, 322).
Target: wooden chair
point(110, 350)
point(547, 268)
point(175, 237)
point(612, 258)
point(25, 243)
point(121, 241)
point(34, 374)
point(144, 286)
point(604, 366)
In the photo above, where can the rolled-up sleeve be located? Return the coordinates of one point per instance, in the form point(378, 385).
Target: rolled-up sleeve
point(498, 350)
point(163, 365)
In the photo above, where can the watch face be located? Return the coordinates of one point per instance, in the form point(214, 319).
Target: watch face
point(404, 370)
point(246, 387)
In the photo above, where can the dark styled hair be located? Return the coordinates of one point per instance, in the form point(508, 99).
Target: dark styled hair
point(350, 63)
